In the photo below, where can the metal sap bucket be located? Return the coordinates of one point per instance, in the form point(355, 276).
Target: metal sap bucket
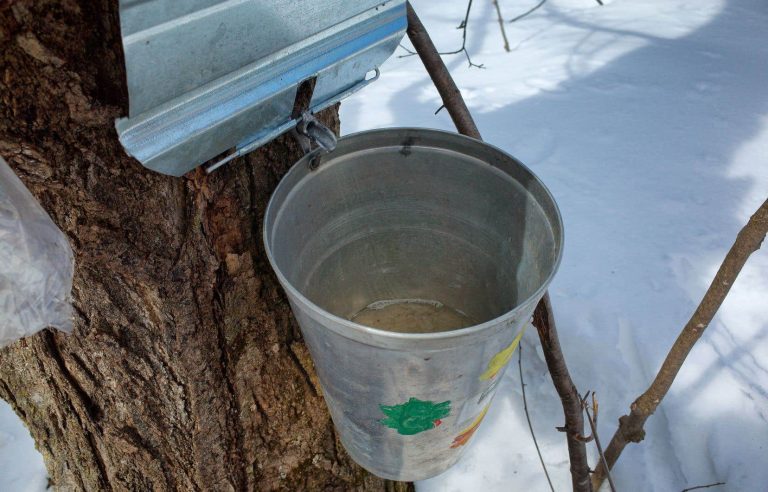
point(402, 216)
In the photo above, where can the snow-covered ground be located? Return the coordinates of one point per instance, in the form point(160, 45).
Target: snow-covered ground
point(21, 466)
point(648, 120)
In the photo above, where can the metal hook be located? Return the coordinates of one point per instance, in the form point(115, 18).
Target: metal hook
point(311, 128)
point(291, 126)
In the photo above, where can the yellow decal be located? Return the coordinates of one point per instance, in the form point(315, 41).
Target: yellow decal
point(467, 433)
point(500, 360)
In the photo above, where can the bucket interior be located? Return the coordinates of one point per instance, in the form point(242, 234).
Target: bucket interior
point(405, 216)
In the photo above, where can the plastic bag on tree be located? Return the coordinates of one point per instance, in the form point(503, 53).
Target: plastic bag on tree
point(36, 265)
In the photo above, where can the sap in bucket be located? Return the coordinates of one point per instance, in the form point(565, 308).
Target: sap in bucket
point(413, 260)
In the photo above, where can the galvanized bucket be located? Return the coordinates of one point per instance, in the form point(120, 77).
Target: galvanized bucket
point(422, 218)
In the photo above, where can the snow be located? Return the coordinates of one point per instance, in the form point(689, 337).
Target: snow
point(648, 120)
point(21, 466)
point(649, 123)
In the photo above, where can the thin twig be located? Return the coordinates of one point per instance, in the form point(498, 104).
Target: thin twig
point(463, 27)
point(600, 2)
point(463, 49)
point(501, 25)
point(409, 52)
point(703, 486)
point(532, 10)
point(528, 416)
point(593, 425)
point(630, 428)
point(442, 79)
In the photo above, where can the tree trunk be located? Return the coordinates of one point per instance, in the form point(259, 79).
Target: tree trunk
point(186, 369)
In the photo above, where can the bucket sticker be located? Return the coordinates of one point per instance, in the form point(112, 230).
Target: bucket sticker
point(467, 433)
point(415, 415)
point(500, 360)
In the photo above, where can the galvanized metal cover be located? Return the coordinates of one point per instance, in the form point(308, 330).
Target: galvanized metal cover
point(205, 76)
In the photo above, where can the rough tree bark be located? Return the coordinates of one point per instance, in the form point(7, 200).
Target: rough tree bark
point(186, 369)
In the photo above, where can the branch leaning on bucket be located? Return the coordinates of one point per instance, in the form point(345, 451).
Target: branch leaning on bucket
point(749, 240)
point(440, 76)
point(543, 319)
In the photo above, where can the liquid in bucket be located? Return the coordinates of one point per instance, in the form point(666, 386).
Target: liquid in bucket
point(412, 316)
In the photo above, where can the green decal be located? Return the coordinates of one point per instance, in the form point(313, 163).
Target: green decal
point(415, 416)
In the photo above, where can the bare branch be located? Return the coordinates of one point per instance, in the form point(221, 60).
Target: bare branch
point(593, 425)
point(463, 49)
point(408, 51)
point(442, 79)
point(532, 10)
point(600, 2)
point(703, 486)
point(528, 416)
point(630, 428)
point(501, 25)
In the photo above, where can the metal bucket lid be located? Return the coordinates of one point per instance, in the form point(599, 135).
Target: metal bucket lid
point(207, 76)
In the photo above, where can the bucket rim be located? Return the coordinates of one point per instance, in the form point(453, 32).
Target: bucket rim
point(367, 334)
